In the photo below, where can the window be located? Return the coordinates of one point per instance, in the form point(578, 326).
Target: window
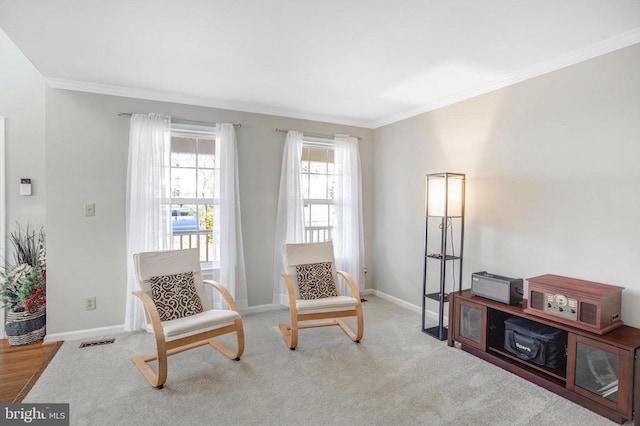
point(318, 183)
point(195, 192)
point(320, 200)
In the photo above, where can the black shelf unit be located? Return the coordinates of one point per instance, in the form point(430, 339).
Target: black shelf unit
point(437, 297)
point(444, 205)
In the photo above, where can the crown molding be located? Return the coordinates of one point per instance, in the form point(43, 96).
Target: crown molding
point(601, 48)
point(153, 95)
point(574, 57)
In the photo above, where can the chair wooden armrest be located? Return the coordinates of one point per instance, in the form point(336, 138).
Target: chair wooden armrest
point(352, 284)
point(290, 291)
point(152, 311)
point(224, 292)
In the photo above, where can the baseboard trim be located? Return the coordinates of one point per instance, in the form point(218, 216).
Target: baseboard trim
point(415, 308)
point(104, 332)
point(242, 304)
point(89, 333)
point(397, 301)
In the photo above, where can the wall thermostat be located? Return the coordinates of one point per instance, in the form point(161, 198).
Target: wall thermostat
point(25, 186)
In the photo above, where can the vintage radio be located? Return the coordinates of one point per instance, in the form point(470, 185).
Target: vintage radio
point(591, 306)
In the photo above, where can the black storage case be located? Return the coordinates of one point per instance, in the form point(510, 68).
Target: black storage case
point(535, 342)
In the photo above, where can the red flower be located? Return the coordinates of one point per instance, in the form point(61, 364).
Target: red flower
point(38, 298)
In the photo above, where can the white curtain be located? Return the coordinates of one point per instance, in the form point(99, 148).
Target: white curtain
point(348, 233)
point(232, 272)
point(290, 218)
point(148, 221)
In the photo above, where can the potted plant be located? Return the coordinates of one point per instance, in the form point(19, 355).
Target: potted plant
point(23, 287)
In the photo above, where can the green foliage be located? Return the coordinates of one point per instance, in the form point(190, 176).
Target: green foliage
point(23, 285)
point(209, 220)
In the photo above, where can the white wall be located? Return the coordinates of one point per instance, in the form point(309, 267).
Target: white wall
point(22, 91)
point(86, 162)
point(552, 180)
point(22, 105)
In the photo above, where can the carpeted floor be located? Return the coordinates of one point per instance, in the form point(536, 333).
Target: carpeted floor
point(397, 375)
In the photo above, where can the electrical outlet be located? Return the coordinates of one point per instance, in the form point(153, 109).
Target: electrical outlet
point(90, 303)
point(89, 209)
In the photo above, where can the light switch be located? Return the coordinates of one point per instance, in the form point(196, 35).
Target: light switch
point(89, 209)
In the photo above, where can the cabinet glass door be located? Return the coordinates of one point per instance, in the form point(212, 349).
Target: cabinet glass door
point(601, 372)
point(470, 323)
point(597, 371)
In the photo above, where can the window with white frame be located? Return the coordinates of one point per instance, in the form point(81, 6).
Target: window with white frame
point(195, 192)
point(317, 182)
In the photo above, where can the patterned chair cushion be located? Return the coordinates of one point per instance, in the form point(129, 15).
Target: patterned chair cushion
point(175, 296)
point(315, 281)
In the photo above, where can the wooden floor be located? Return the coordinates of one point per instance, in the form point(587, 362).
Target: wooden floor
point(20, 367)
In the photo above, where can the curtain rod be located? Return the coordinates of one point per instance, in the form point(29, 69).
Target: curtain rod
point(183, 121)
point(315, 135)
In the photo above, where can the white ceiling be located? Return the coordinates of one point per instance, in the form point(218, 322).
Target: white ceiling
point(359, 62)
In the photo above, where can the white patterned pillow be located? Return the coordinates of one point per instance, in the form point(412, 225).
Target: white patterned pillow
point(175, 296)
point(315, 281)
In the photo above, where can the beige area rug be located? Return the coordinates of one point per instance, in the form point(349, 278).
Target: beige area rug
point(397, 375)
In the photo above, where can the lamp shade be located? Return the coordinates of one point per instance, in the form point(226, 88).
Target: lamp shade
point(445, 189)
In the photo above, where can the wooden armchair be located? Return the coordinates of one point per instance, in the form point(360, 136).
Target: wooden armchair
point(168, 281)
point(314, 292)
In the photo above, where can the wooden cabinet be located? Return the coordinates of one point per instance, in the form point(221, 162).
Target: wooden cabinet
point(601, 371)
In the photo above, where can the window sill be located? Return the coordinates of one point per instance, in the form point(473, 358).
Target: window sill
point(210, 266)
point(210, 271)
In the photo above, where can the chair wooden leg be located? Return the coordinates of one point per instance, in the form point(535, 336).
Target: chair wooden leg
point(156, 380)
point(360, 322)
point(347, 330)
point(356, 337)
point(162, 369)
point(224, 350)
point(290, 336)
point(286, 334)
point(290, 333)
point(146, 371)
